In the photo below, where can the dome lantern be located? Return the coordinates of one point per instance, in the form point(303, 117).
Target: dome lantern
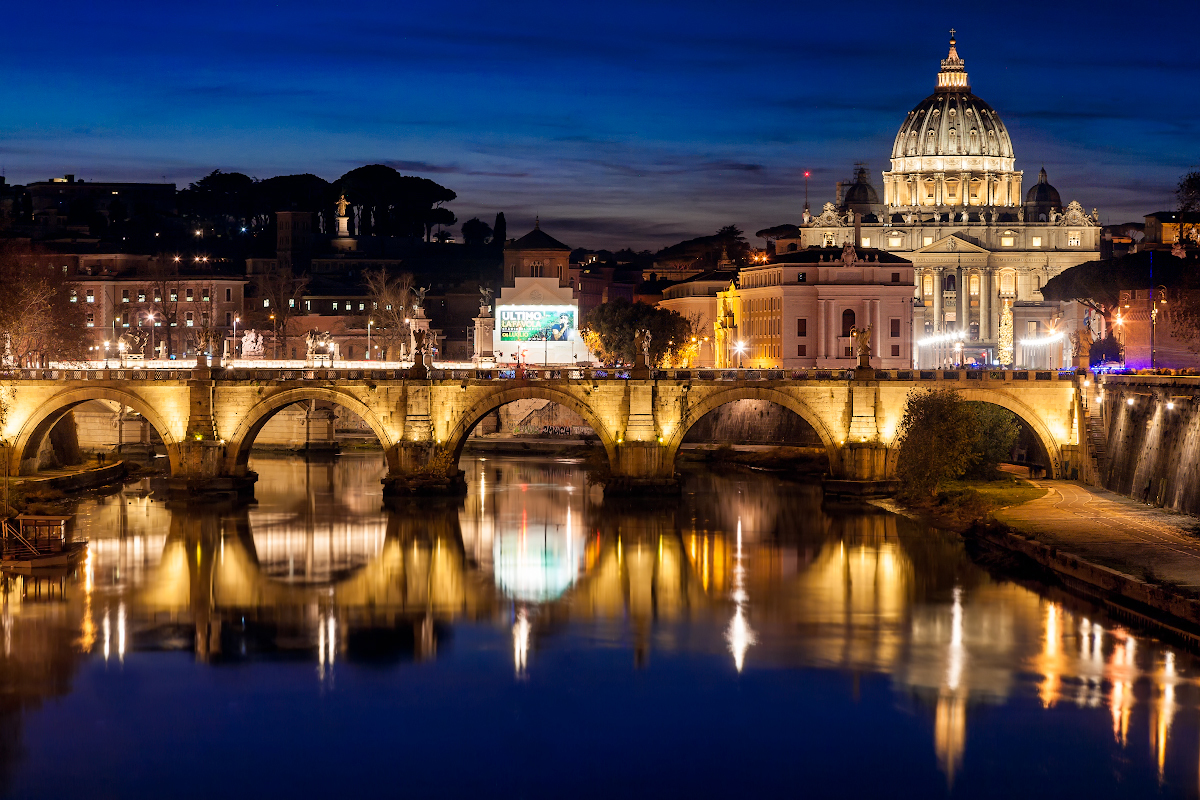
point(953, 77)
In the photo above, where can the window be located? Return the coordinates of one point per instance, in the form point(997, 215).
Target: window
point(362, 306)
point(174, 295)
point(895, 277)
point(74, 296)
point(189, 321)
point(894, 330)
point(1007, 241)
point(1073, 239)
point(91, 295)
point(974, 329)
point(308, 305)
point(64, 269)
point(204, 295)
point(125, 320)
point(974, 286)
point(801, 277)
point(335, 305)
point(1007, 283)
point(229, 295)
point(124, 295)
point(895, 351)
point(895, 241)
point(848, 353)
point(866, 241)
point(928, 240)
point(829, 240)
point(157, 296)
point(1036, 241)
point(927, 285)
point(802, 350)
point(91, 320)
point(190, 295)
point(1031, 327)
point(228, 319)
point(950, 284)
point(141, 295)
point(291, 302)
point(266, 302)
point(847, 322)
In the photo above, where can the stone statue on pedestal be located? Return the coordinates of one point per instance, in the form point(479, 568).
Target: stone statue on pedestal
point(862, 343)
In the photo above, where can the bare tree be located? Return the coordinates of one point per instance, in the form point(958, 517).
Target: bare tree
point(279, 294)
point(38, 320)
point(392, 306)
point(162, 278)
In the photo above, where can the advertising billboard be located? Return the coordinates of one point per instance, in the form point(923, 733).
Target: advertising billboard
point(536, 323)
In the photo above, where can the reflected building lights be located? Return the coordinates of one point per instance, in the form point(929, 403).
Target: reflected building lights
point(739, 633)
point(520, 631)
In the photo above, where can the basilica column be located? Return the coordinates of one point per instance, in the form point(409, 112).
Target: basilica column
point(961, 301)
point(937, 300)
point(822, 334)
point(985, 293)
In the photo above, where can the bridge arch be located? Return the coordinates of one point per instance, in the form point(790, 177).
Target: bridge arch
point(457, 437)
point(47, 415)
point(714, 401)
point(1028, 416)
point(237, 449)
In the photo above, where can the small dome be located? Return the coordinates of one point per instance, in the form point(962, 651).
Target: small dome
point(861, 196)
point(1043, 193)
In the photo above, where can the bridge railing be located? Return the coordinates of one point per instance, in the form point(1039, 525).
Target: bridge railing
point(1015, 377)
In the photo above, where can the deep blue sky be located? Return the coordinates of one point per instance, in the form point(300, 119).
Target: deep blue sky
point(617, 122)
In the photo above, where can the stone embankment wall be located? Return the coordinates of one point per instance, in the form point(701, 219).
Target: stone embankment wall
point(753, 422)
point(1152, 444)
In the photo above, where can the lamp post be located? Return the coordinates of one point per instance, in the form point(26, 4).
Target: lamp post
point(1154, 301)
point(739, 348)
point(106, 354)
point(236, 320)
point(150, 319)
point(370, 324)
point(274, 339)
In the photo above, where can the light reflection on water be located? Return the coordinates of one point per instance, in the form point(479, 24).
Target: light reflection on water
point(746, 578)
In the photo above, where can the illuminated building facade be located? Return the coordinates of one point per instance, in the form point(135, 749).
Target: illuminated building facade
point(954, 203)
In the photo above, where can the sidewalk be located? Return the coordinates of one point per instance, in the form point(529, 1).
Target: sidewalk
point(1112, 531)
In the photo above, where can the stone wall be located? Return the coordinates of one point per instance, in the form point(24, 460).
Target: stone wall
point(753, 422)
point(1152, 451)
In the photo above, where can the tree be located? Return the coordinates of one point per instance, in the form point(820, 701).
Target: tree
point(278, 295)
point(936, 441)
point(609, 330)
point(162, 277)
point(390, 204)
point(779, 232)
point(392, 306)
point(38, 321)
point(1098, 284)
point(996, 431)
point(475, 232)
point(705, 251)
point(224, 200)
point(500, 230)
point(1188, 195)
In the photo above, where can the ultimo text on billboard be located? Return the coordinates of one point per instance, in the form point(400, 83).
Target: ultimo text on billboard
point(536, 323)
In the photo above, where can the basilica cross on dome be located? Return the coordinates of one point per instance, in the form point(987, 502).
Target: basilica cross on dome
point(952, 32)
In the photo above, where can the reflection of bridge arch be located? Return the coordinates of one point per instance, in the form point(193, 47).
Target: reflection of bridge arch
point(1027, 415)
point(457, 437)
point(714, 401)
point(43, 419)
point(238, 448)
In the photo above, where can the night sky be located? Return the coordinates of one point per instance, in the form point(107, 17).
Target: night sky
point(619, 123)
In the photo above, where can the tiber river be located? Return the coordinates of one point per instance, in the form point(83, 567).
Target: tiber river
point(537, 641)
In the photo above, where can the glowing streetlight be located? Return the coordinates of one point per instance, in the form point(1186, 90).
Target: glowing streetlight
point(739, 348)
point(370, 324)
point(274, 339)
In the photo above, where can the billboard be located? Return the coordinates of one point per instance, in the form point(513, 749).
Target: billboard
point(536, 323)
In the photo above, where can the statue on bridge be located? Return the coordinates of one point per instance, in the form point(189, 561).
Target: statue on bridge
point(252, 344)
point(320, 345)
point(862, 343)
point(132, 344)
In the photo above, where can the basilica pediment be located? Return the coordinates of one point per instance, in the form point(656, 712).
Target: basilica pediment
point(952, 244)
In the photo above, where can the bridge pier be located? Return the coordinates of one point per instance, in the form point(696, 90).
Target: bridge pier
point(201, 475)
point(864, 472)
point(423, 468)
point(642, 468)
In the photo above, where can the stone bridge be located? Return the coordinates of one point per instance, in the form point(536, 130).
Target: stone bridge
point(208, 417)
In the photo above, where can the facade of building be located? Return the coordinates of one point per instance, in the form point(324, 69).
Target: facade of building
point(953, 205)
point(537, 312)
point(695, 299)
point(799, 310)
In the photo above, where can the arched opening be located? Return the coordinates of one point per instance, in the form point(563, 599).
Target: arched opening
point(530, 413)
point(313, 421)
point(1034, 447)
point(119, 424)
point(847, 322)
point(758, 433)
point(774, 409)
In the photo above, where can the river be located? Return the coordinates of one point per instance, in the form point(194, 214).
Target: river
point(534, 640)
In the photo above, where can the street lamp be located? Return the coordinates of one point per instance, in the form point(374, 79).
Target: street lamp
point(739, 348)
point(106, 353)
point(236, 320)
point(274, 339)
point(150, 319)
point(1154, 301)
point(370, 324)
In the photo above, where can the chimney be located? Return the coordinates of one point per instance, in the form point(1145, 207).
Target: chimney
point(857, 228)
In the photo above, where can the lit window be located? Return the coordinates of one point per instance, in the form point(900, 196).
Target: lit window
point(335, 305)
point(141, 295)
point(1007, 283)
point(124, 295)
point(928, 287)
point(174, 295)
point(74, 296)
point(204, 295)
point(291, 302)
point(895, 242)
point(362, 307)
point(189, 321)
point(928, 240)
point(975, 285)
point(91, 320)
point(1036, 241)
point(190, 295)
point(91, 296)
point(1007, 241)
point(266, 302)
point(866, 241)
point(1073, 239)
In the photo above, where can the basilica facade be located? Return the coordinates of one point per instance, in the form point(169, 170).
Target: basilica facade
point(980, 243)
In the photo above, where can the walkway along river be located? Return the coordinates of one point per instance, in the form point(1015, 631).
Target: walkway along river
point(534, 639)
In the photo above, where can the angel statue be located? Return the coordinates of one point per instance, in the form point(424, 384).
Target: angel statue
point(862, 343)
point(341, 205)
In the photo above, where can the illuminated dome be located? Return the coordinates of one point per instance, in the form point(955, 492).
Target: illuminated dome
point(952, 149)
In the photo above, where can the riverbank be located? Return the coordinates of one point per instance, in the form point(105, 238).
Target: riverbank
point(1141, 563)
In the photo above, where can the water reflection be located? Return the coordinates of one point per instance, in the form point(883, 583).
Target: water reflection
point(746, 572)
